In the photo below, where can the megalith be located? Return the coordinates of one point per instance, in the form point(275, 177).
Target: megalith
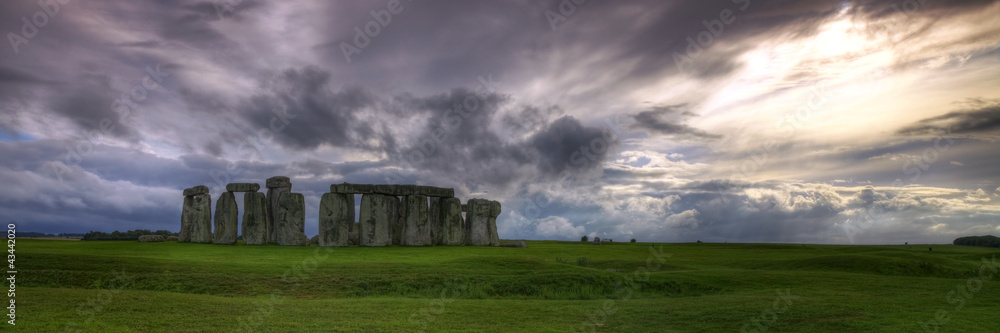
point(226, 220)
point(416, 230)
point(276, 186)
point(254, 219)
point(374, 217)
point(291, 223)
point(477, 219)
point(196, 216)
point(491, 223)
point(336, 214)
point(352, 235)
point(452, 229)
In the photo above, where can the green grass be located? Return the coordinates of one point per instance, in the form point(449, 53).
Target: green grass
point(548, 287)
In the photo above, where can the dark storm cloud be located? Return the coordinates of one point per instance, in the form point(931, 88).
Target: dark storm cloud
point(654, 121)
point(90, 102)
point(984, 119)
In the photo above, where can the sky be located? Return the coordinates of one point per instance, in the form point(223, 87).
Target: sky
point(845, 122)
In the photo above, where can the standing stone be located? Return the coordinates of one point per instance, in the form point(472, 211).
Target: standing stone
point(336, 214)
point(452, 227)
point(254, 219)
point(375, 220)
point(492, 223)
point(597, 240)
point(226, 219)
point(434, 216)
point(416, 231)
point(291, 223)
point(477, 230)
point(200, 189)
point(186, 209)
point(201, 219)
point(276, 186)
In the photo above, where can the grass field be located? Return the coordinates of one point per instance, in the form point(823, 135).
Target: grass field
point(121, 286)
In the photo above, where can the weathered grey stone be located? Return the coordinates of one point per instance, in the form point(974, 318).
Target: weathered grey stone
point(151, 238)
point(200, 189)
point(452, 226)
point(172, 238)
point(514, 243)
point(186, 215)
point(291, 223)
point(352, 188)
point(597, 240)
point(399, 221)
point(416, 231)
point(354, 234)
point(477, 230)
point(273, 194)
point(406, 190)
point(314, 240)
point(432, 191)
point(226, 219)
point(278, 181)
point(242, 187)
point(254, 219)
point(375, 219)
point(336, 214)
point(465, 208)
point(201, 219)
point(492, 223)
point(434, 218)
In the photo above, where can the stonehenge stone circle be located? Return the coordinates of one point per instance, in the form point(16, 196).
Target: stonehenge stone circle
point(291, 223)
point(411, 215)
point(242, 187)
point(452, 229)
point(597, 240)
point(416, 230)
point(275, 187)
point(226, 220)
point(375, 218)
point(254, 219)
point(336, 215)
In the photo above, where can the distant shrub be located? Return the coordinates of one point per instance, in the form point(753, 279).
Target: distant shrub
point(632, 241)
point(584, 238)
point(987, 241)
point(699, 241)
point(582, 261)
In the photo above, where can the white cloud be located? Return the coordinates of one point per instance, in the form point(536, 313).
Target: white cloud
point(558, 226)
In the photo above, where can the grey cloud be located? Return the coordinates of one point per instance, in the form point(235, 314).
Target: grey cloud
point(654, 121)
point(984, 119)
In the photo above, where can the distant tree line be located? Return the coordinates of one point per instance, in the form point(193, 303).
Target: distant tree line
point(42, 234)
point(130, 235)
point(988, 241)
